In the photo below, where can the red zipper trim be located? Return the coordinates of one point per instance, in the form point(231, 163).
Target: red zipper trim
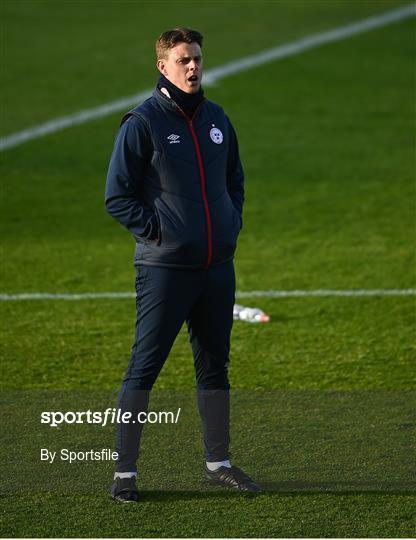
point(203, 190)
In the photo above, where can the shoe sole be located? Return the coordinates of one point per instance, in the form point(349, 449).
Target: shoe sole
point(121, 500)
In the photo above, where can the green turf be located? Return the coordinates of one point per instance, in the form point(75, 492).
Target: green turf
point(327, 140)
point(60, 56)
point(332, 343)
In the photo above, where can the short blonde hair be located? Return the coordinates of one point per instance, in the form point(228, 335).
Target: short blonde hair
point(170, 38)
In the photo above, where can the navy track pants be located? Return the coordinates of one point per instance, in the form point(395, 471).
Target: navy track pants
point(165, 299)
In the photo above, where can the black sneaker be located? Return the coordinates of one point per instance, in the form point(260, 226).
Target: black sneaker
point(125, 490)
point(232, 478)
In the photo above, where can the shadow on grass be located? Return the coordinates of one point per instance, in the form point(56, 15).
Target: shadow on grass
point(296, 488)
point(337, 487)
point(285, 489)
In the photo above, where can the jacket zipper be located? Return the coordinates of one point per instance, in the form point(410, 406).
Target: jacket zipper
point(203, 186)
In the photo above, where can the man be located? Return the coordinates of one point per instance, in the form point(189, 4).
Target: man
point(175, 181)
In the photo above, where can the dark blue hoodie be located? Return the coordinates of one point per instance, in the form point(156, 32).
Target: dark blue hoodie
point(176, 183)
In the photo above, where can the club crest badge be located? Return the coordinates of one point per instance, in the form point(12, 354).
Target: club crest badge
point(216, 135)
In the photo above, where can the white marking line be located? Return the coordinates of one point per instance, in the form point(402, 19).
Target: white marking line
point(214, 75)
point(326, 292)
point(239, 294)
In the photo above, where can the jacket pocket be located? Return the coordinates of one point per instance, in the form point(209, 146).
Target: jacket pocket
point(158, 240)
point(226, 225)
point(183, 231)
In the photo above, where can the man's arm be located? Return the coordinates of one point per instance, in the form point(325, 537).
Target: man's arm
point(235, 174)
point(127, 169)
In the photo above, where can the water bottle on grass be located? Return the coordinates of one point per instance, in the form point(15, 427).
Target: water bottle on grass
point(248, 314)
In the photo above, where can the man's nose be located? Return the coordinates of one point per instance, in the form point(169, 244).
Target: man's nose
point(193, 65)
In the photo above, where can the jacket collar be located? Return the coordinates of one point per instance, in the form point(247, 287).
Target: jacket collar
point(169, 104)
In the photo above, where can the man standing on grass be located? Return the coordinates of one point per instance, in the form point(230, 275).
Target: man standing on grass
point(175, 181)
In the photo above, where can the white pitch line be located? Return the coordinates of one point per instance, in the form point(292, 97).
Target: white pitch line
point(326, 292)
point(214, 75)
point(239, 294)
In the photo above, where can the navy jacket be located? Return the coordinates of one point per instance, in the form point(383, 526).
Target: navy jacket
point(176, 183)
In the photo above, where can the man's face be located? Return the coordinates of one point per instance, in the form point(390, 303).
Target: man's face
point(183, 66)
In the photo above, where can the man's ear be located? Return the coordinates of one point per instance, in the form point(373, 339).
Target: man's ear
point(161, 66)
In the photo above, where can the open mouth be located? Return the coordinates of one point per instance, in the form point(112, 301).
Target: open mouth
point(193, 78)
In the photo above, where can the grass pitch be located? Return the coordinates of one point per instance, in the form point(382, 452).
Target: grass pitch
point(327, 141)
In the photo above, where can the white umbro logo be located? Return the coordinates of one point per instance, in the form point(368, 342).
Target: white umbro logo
point(173, 138)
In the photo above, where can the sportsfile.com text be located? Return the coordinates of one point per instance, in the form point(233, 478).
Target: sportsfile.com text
point(109, 416)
